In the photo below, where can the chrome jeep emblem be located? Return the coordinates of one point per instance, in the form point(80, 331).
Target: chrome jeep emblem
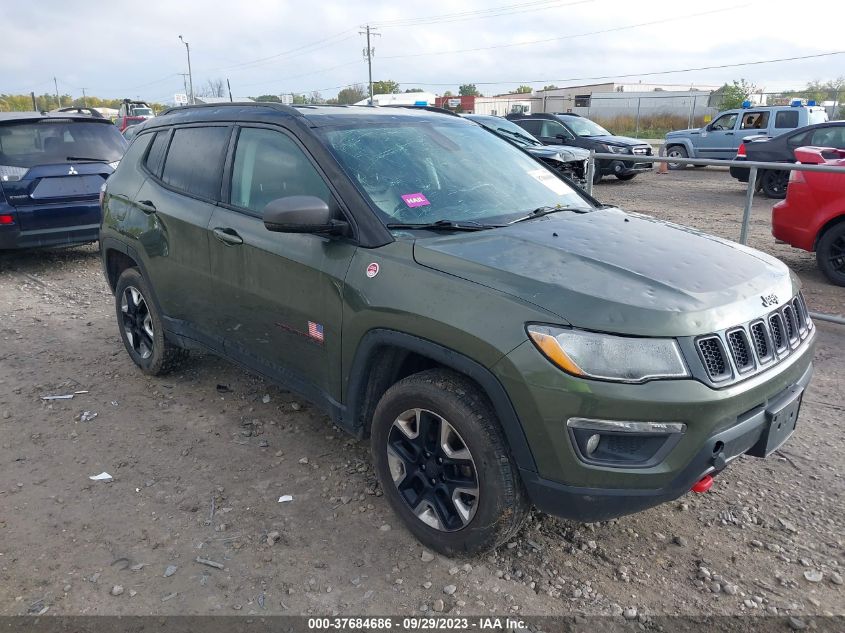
point(769, 300)
point(72, 171)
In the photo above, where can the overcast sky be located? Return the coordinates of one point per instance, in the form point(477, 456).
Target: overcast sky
point(131, 49)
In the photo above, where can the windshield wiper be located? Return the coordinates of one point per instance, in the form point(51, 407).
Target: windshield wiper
point(88, 159)
point(446, 225)
point(522, 137)
point(546, 210)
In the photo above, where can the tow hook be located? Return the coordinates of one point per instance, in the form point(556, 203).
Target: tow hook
point(703, 485)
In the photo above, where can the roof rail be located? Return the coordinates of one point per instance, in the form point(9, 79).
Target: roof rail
point(259, 104)
point(428, 108)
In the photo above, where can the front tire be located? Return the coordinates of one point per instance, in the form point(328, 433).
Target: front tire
point(677, 151)
point(140, 326)
point(830, 254)
point(625, 176)
point(443, 464)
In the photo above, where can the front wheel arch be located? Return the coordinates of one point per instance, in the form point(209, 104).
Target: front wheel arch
point(361, 399)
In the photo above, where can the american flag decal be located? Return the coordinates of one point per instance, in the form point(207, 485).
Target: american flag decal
point(315, 331)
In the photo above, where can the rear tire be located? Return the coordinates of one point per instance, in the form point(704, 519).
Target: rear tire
point(141, 328)
point(597, 175)
point(773, 183)
point(830, 254)
point(676, 151)
point(460, 495)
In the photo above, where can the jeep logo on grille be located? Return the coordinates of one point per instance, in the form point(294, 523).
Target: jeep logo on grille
point(769, 300)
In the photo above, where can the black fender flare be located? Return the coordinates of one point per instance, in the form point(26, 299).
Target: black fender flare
point(447, 357)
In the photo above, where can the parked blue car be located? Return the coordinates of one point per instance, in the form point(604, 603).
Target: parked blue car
point(52, 166)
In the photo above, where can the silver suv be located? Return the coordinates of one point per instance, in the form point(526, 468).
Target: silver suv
point(720, 138)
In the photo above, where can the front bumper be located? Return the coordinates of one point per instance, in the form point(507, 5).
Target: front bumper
point(566, 486)
point(623, 168)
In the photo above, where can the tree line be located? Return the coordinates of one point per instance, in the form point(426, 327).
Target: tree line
point(729, 95)
point(47, 102)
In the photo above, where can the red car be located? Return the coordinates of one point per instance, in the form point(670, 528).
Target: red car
point(812, 217)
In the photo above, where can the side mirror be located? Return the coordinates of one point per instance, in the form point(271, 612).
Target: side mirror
point(301, 214)
point(562, 137)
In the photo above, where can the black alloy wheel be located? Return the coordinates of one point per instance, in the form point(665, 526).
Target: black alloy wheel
point(774, 182)
point(433, 469)
point(830, 254)
point(137, 322)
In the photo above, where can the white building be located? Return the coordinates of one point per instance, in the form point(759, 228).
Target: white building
point(401, 98)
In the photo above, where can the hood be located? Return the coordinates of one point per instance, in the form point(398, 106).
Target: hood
point(612, 271)
point(563, 153)
point(692, 130)
point(617, 140)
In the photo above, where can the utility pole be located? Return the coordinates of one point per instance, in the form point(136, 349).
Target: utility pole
point(84, 99)
point(229, 86)
point(34, 105)
point(58, 98)
point(368, 54)
point(185, 82)
point(190, 75)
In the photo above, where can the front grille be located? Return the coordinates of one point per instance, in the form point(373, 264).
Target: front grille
point(800, 315)
point(791, 325)
point(713, 357)
point(778, 336)
point(741, 350)
point(749, 348)
point(761, 341)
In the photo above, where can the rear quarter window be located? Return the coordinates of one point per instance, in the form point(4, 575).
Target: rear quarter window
point(786, 119)
point(155, 157)
point(194, 160)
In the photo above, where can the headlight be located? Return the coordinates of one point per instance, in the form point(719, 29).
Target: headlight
point(608, 357)
point(618, 149)
point(114, 164)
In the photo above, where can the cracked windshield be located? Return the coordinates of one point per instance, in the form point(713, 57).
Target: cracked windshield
point(419, 173)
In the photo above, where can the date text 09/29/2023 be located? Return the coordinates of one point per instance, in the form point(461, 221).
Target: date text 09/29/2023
point(423, 623)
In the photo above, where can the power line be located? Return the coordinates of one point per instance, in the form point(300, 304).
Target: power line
point(641, 74)
point(479, 14)
point(313, 46)
point(572, 36)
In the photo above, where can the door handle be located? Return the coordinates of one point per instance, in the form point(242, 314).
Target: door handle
point(729, 133)
point(147, 206)
point(229, 237)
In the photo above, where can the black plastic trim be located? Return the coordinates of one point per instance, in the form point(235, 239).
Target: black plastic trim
point(357, 377)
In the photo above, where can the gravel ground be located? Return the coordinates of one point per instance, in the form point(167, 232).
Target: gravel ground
point(201, 457)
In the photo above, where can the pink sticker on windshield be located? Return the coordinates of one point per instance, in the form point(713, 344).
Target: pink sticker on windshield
point(415, 200)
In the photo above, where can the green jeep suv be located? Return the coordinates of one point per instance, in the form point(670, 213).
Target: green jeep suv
point(503, 339)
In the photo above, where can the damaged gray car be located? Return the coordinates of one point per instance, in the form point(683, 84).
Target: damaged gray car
point(568, 161)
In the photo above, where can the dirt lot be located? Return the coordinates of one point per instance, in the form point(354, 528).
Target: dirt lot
point(198, 470)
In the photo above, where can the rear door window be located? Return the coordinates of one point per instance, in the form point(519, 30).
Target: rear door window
point(755, 121)
point(194, 161)
point(533, 126)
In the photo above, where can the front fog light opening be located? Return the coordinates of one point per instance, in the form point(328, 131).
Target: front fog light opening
point(593, 443)
point(623, 444)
